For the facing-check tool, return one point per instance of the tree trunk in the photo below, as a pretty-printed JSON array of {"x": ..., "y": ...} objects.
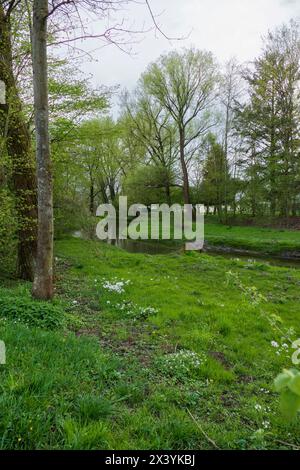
[
  {"x": 185, "y": 175},
  {"x": 220, "y": 213},
  {"x": 234, "y": 202},
  {"x": 43, "y": 281},
  {"x": 112, "y": 191},
  {"x": 168, "y": 192},
  {"x": 226, "y": 172},
  {"x": 104, "y": 193},
  {"x": 273, "y": 159},
  {"x": 18, "y": 145},
  {"x": 92, "y": 198}
]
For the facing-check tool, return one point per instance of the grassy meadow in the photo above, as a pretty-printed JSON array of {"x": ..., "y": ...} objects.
[
  {"x": 268, "y": 241},
  {"x": 141, "y": 352}
]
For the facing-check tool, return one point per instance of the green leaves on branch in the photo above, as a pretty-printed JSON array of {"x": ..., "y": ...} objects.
[{"x": 288, "y": 384}]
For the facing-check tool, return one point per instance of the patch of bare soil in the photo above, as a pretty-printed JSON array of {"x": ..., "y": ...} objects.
[{"x": 220, "y": 357}]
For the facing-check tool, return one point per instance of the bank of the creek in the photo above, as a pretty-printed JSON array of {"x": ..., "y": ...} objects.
[{"x": 151, "y": 247}]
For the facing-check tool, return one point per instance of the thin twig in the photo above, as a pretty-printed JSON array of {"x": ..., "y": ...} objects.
[
  {"x": 203, "y": 432},
  {"x": 159, "y": 29},
  {"x": 287, "y": 444}
]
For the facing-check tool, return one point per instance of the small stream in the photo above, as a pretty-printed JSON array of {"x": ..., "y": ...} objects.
[{"x": 158, "y": 247}]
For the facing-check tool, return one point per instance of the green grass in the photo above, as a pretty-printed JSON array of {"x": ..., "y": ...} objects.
[
  {"x": 265, "y": 240},
  {"x": 124, "y": 370}
]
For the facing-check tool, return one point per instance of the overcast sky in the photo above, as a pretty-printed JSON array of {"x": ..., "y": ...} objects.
[{"x": 226, "y": 27}]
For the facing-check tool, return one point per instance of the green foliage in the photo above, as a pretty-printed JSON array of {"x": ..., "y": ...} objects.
[
  {"x": 71, "y": 94},
  {"x": 216, "y": 184},
  {"x": 266, "y": 241},
  {"x": 147, "y": 185},
  {"x": 68, "y": 217},
  {"x": 94, "y": 408},
  {"x": 149, "y": 125},
  {"x": 174, "y": 81},
  {"x": 288, "y": 384},
  {"x": 87, "y": 172},
  {"x": 183, "y": 83},
  {"x": 268, "y": 125},
  {"x": 90, "y": 437},
  {"x": 8, "y": 226},
  {"x": 51, "y": 389},
  {"x": 30, "y": 312}
]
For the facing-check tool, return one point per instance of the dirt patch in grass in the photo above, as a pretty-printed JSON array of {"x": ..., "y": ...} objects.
[
  {"x": 220, "y": 357},
  {"x": 228, "y": 400},
  {"x": 246, "y": 379},
  {"x": 87, "y": 332}
]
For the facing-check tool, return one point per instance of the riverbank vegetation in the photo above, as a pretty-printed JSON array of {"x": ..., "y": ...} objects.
[{"x": 266, "y": 241}]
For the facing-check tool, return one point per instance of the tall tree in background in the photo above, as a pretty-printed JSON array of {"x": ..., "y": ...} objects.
[
  {"x": 284, "y": 44},
  {"x": 184, "y": 84},
  {"x": 216, "y": 180},
  {"x": 17, "y": 140},
  {"x": 98, "y": 153},
  {"x": 151, "y": 124},
  {"x": 270, "y": 121},
  {"x": 231, "y": 90}
]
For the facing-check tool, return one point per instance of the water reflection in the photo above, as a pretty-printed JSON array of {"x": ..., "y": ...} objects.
[{"x": 150, "y": 248}]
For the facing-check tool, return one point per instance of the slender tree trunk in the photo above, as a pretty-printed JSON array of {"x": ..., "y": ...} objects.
[
  {"x": 18, "y": 144},
  {"x": 92, "y": 198},
  {"x": 168, "y": 192},
  {"x": 185, "y": 175},
  {"x": 294, "y": 208},
  {"x": 112, "y": 191},
  {"x": 227, "y": 128},
  {"x": 273, "y": 159},
  {"x": 43, "y": 281},
  {"x": 234, "y": 207},
  {"x": 253, "y": 206},
  {"x": 103, "y": 192}
]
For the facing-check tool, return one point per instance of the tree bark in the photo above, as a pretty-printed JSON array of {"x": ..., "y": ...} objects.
[
  {"x": 185, "y": 175},
  {"x": 43, "y": 281},
  {"x": 273, "y": 158},
  {"x": 168, "y": 192},
  {"x": 92, "y": 198},
  {"x": 18, "y": 144}
]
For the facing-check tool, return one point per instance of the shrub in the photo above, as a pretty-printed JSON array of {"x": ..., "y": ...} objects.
[
  {"x": 31, "y": 312},
  {"x": 7, "y": 231}
]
